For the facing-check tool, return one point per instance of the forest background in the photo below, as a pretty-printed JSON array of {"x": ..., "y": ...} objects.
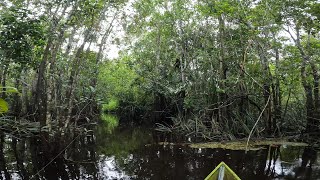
[{"x": 220, "y": 69}]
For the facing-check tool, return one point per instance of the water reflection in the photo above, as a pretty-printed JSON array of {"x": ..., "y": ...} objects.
[{"x": 124, "y": 154}]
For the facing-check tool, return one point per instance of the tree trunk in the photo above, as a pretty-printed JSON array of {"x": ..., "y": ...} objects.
[
  {"x": 312, "y": 93},
  {"x": 24, "y": 91},
  {"x": 276, "y": 94},
  {"x": 267, "y": 85},
  {"x": 223, "y": 115},
  {"x": 17, "y": 107},
  {"x": 4, "y": 80},
  {"x": 51, "y": 102},
  {"x": 72, "y": 82},
  {"x": 40, "y": 101}
]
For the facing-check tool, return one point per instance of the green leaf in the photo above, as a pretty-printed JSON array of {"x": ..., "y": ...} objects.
[
  {"x": 11, "y": 90},
  {"x": 111, "y": 105},
  {"x": 3, "y": 106}
]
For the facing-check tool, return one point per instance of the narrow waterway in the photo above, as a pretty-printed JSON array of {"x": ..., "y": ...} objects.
[{"x": 135, "y": 153}]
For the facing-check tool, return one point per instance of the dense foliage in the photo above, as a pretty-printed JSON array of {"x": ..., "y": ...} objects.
[{"x": 212, "y": 69}]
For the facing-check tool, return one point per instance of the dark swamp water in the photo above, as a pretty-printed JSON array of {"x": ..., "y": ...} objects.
[{"x": 133, "y": 153}]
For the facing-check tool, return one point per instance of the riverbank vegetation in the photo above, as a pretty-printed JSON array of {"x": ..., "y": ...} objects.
[{"x": 215, "y": 70}]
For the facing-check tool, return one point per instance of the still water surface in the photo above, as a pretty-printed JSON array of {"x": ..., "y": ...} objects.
[{"x": 134, "y": 153}]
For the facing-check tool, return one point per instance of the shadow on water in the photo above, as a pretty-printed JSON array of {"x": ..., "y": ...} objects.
[{"x": 131, "y": 153}]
